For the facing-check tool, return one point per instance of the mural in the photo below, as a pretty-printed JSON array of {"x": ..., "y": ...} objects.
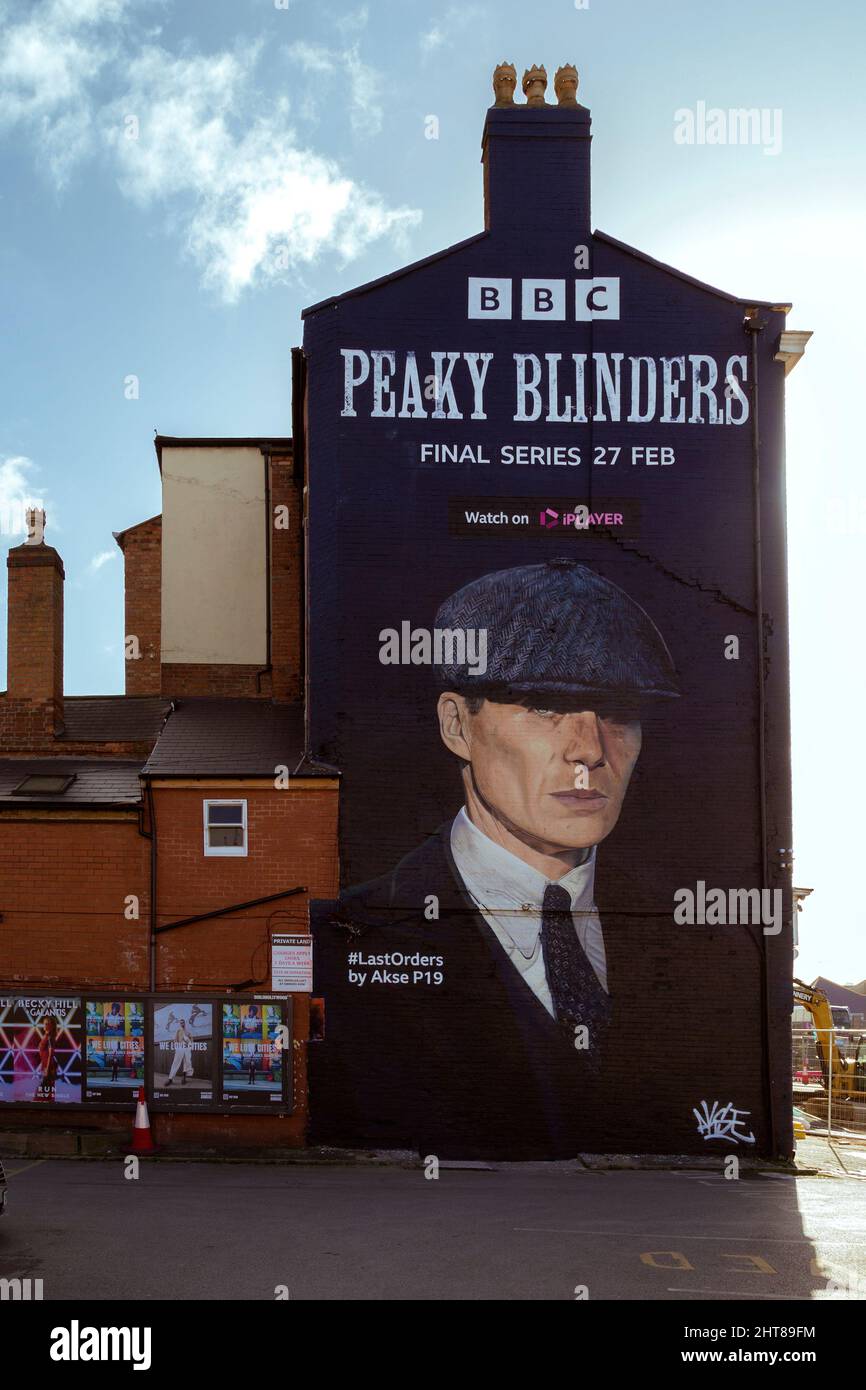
[{"x": 533, "y": 656}]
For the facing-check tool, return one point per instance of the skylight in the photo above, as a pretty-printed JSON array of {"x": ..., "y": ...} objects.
[{"x": 44, "y": 784}]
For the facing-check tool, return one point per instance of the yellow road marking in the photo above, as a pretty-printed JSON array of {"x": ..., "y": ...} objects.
[{"x": 13, "y": 1172}]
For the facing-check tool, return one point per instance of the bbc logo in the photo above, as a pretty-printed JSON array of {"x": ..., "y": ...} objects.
[{"x": 596, "y": 298}]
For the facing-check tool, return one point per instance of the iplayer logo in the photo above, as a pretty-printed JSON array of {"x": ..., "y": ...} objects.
[{"x": 581, "y": 518}]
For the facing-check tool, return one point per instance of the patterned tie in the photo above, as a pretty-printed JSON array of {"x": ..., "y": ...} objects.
[{"x": 578, "y": 998}]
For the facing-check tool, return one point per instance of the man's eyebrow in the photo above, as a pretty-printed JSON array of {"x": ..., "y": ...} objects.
[{"x": 604, "y": 707}]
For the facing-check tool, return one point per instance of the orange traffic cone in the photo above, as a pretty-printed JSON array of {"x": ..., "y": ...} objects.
[{"x": 142, "y": 1139}]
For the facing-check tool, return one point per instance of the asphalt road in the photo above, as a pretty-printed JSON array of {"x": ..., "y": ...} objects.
[{"x": 527, "y": 1232}]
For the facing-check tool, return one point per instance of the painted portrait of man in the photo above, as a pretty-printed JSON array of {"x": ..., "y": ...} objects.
[{"x": 495, "y": 1004}]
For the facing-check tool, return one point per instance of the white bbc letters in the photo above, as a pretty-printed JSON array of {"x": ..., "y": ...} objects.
[
  {"x": 489, "y": 299},
  {"x": 543, "y": 299},
  {"x": 594, "y": 298}
]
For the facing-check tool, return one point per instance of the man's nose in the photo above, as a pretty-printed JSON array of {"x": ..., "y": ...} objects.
[{"x": 583, "y": 742}]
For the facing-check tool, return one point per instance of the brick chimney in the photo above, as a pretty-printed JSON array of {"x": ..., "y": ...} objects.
[
  {"x": 35, "y": 645},
  {"x": 142, "y": 589},
  {"x": 536, "y": 156}
]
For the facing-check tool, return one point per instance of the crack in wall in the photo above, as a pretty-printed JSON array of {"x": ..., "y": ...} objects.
[{"x": 717, "y": 594}]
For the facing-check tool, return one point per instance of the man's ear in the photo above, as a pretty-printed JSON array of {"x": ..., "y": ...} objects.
[{"x": 454, "y": 724}]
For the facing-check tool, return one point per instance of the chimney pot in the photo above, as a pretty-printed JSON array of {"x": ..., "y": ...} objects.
[
  {"x": 565, "y": 84},
  {"x": 535, "y": 85},
  {"x": 504, "y": 83},
  {"x": 35, "y": 518},
  {"x": 536, "y": 158}
]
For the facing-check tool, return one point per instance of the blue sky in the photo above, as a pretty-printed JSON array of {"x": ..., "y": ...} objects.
[{"x": 184, "y": 256}]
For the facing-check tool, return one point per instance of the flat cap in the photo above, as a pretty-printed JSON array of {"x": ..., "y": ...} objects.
[{"x": 560, "y": 628}]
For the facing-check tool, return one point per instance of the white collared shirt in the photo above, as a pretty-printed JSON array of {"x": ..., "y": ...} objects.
[{"x": 509, "y": 896}]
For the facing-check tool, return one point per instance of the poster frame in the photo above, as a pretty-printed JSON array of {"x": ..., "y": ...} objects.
[{"x": 286, "y": 1105}]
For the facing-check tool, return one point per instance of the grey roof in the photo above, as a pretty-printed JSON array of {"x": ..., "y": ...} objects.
[
  {"x": 113, "y": 718},
  {"x": 841, "y": 994},
  {"x": 99, "y": 783},
  {"x": 208, "y": 737}
]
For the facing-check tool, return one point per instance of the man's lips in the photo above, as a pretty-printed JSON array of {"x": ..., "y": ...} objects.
[{"x": 587, "y": 798}]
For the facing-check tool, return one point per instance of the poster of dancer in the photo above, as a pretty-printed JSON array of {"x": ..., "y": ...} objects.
[{"x": 183, "y": 1053}]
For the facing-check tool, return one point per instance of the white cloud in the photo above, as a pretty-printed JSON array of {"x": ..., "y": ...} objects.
[
  {"x": 432, "y": 39},
  {"x": 255, "y": 203},
  {"x": 16, "y": 493},
  {"x": 249, "y": 201},
  {"x": 48, "y": 65},
  {"x": 446, "y": 29},
  {"x": 313, "y": 57},
  {"x": 103, "y": 558},
  {"x": 365, "y": 83},
  {"x": 354, "y": 21}
]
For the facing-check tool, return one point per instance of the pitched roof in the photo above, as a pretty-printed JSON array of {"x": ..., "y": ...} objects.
[
  {"x": 841, "y": 994},
  {"x": 394, "y": 274},
  {"x": 208, "y": 737},
  {"x": 372, "y": 285},
  {"x": 120, "y": 536},
  {"x": 689, "y": 279},
  {"x": 113, "y": 718},
  {"x": 97, "y": 782}
]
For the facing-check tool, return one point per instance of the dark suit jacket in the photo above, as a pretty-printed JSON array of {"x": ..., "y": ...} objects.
[{"x": 475, "y": 1067}]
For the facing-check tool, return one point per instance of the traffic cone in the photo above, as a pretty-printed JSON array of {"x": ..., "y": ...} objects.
[{"x": 142, "y": 1139}]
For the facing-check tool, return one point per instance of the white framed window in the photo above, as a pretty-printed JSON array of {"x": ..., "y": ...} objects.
[{"x": 225, "y": 827}]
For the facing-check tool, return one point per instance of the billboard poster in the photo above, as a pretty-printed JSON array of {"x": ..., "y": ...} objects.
[
  {"x": 113, "y": 1049},
  {"x": 548, "y": 654},
  {"x": 252, "y": 1053},
  {"x": 184, "y": 1054},
  {"x": 40, "y": 1050}
]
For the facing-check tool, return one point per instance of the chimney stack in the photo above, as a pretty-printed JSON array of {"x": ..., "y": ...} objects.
[
  {"x": 536, "y": 156},
  {"x": 35, "y": 638}
]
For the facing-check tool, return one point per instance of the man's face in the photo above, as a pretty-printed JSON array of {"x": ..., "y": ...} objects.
[{"x": 524, "y": 759}]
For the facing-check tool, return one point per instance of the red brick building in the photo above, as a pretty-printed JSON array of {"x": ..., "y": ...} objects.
[{"x": 189, "y": 797}]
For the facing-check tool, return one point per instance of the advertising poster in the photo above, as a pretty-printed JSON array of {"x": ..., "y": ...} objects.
[
  {"x": 184, "y": 1054},
  {"x": 548, "y": 654},
  {"x": 40, "y": 1050},
  {"x": 113, "y": 1049},
  {"x": 252, "y": 1053}
]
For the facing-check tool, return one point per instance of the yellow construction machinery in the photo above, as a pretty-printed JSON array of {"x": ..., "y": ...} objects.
[{"x": 844, "y": 1075}]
